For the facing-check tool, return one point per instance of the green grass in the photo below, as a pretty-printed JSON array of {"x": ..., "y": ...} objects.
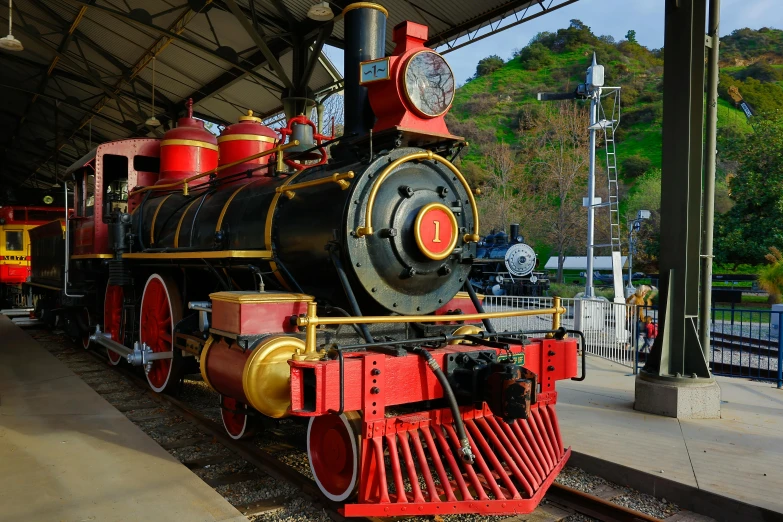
[
  {"x": 760, "y": 298},
  {"x": 745, "y": 313}
]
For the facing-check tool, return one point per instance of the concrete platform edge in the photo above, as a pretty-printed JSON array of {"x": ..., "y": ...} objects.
[{"x": 686, "y": 497}]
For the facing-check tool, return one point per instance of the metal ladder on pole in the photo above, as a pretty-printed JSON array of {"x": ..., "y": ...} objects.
[{"x": 608, "y": 125}]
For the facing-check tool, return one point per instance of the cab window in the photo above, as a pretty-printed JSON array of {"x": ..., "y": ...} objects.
[
  {"x": 89, "y": 200},
  {"x": 115, "y": 181},
  {"x": 13, "y": 240}
]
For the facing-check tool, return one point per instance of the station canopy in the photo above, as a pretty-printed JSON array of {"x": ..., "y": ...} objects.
[{"x": 85, "y": 75}]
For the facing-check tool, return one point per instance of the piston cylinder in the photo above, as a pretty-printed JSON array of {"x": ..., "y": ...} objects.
[
  {"x": 243, "y": 139},
  {"x": 187, "y": 150},
  {"x": 258, "y": 376}
]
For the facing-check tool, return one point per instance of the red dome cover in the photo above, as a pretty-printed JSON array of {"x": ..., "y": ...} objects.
[
  {"x": 187, "y": 150},
  {"x": 243, "y": 139}
]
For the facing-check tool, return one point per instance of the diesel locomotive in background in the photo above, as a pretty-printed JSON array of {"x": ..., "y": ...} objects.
[{"x": 333, "y": 286}]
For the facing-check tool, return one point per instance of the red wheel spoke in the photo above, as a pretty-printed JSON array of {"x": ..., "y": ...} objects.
[{"x": 157, "y": 319}]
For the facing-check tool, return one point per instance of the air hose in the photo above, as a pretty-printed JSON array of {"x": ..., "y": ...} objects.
[{"x": 466, "y": 453}]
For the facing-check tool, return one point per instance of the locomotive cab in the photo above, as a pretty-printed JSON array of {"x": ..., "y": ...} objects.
[{"x": 101, "y": 180}]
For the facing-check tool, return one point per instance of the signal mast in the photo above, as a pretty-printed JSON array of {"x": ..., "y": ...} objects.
[{"x": 594, "y": 90}]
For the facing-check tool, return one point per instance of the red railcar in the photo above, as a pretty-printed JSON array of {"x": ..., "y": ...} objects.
[{"x": 15, "y": 224}]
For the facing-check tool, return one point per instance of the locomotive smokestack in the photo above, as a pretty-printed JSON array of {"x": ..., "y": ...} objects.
[
  {"x": 365, "y": 39},
  {"x": 514, "y": 232}
]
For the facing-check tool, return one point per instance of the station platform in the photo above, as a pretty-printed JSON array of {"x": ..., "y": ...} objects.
[
  {"x": 737, "y": 456},
  {"x": 66, "y": 454}
]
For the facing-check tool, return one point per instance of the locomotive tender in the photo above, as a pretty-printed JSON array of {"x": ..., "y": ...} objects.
[{"x": 330, "y": 287}]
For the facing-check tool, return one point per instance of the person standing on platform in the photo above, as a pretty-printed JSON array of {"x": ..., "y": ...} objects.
[
  {"x": 651, "y": 331},
  {"x": 641, "y": 334}
]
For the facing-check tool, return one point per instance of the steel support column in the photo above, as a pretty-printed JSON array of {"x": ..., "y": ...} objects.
[
  {"x": 677, "y": 354},
  {"x": 710, "y": 152}
]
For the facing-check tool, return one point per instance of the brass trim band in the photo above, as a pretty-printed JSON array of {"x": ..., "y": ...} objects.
[
  {"x": 256, "y": 297},
  {"x": 93, "y": 256},
  {"x": 202, "y": 359},
  {"x": 184, "y": 182},
  {"x": 155, "y": 218},
  {"x": 225, "y": 206},
  {"x": 44, "y": 286},
  {"x": 268, "y": 227},
  {"x": 408, "y": 97},
  {"x": 367, "y": 229},
  {"x": 204, "y": 254},
  {"x": 190, "y": 143},
  {"x": 181, "y": 219},
  {"x": 289, "y": 190},
  {"x": 454, "y": 231},
  {"x": 366, "y": 5},
  {"x": 246, "y": 137}
]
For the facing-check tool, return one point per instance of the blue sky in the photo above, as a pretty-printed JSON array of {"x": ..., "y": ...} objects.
[{"x": 612, "y": 17}]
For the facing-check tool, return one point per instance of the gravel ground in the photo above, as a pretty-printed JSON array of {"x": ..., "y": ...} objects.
[
  {"x": 297, "y": 510},
  {"x": 255, "y": 490},
  {"x": 578, "y": 517},
  {"x": 577, "y": 478},
  {"x": 745, "y": 359},
  {"x": 760, "y": 330},
  {"x": 658, "y": 508}
]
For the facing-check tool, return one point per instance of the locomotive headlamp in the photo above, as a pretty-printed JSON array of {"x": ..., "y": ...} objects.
[
  {"x": 412, "y": 89},
  {"x": 429, "y": 84}
]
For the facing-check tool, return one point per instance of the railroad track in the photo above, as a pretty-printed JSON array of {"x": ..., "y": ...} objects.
[
  {"x": 193, "y": 429},
  {"x": 745, "y": 344}
]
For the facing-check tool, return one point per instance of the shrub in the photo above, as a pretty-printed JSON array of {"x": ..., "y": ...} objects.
[
  {"x": 489, "y": 65},
  {"x": 771, "y": 276},
  {"x": 648, "y": 114},
  {"x": 762, "y": 72},
  {"x": 535, "y": 56},
  {"x": 635, "y": 166}
]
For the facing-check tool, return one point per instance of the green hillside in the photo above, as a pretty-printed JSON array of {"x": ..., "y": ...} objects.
[{"x": 492, "y": 106}]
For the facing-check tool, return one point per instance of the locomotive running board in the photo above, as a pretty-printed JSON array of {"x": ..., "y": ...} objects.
[{"x": 516, "y": 464}]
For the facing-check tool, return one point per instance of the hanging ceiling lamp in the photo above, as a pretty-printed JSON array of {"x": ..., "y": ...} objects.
[
  {"x": 152, "y": 121},
  {"x": 9, "y": 43},
  {"x": 320, "y": 12}
]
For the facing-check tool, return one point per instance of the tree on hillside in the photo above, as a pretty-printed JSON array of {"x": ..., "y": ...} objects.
[
  {"x": 755, "y": 222},
  {"x": 489, "y": 65},
  {"x": 499, "y": 202},
  {"x": 646, "y": 196},
  {"x": 631, "y": 36},
  {"x": 559, "y": 158}
]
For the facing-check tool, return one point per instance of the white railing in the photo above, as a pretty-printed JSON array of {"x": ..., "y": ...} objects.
[{"x": 611, "y": 330}]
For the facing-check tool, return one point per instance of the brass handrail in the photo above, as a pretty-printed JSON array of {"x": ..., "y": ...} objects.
[
  {"x": 311, "y": 320},
  {"x": 185, "y": 181},
  {"x": 289, "y": 190},
  {"x": 367, "y": 229}
]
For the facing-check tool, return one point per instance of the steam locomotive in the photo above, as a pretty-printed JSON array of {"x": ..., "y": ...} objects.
[
  {"x": 327, "y": 285},
  {"x": 505, "y": 265}
]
